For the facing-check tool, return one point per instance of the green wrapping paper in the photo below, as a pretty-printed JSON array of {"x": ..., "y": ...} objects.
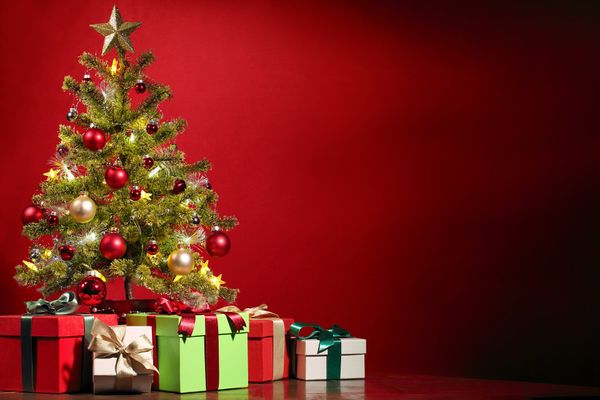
[{"x": 182, "y": 362}]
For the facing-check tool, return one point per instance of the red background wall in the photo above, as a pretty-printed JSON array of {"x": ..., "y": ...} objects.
[{"x": 422, "y": 174}]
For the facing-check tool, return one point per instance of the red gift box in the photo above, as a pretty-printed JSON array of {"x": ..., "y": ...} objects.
[
  {"x": 57, "y": 352},
  {"x": 261, "y": 350}
]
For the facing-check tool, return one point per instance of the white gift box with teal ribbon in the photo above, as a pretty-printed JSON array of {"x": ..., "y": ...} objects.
[{"x": 327, "y": 354}]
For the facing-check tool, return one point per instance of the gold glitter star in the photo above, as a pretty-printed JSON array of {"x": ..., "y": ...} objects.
[
  {"x": 116, "y": 32},
  {"x": 47, "y": 254},
  {"x": 146, "y": 196},
  {"x": 114, "y": 67},
  {"x": 30, "y": 265},
  {"x": 204, "y": 267},
  {"x": 52, "y": 174},
  {"x": 217, "y": 281}
]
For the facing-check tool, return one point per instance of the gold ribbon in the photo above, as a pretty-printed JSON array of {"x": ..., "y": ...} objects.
[
  {"x": 132, "y": 360},
  {"x": 261, "y": 312}
]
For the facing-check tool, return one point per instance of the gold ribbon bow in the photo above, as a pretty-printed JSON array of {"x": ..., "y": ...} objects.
[
  {"x": 261, "y": 312},
  {"x": 107, "y": 342},
  {"x": 253, "y": 312}
]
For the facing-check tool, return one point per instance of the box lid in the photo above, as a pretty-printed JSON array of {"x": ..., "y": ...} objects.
[
  {"x": 263, "y": 327},
  {"x": 51, "y": 325},
  {"x": 310, "y": 347},
  {"x": 167, "y": 325}
]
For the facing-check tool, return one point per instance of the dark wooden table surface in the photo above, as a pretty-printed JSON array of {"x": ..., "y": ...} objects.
[{"x": 374, "y": 387}]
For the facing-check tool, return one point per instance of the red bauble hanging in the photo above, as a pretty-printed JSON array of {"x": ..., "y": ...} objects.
[
  {"x": 135, "y": 193},
  {"x": 52, "y": 219},
  {"x": 217, "y": 244},
  {"x": 32, "y": 213},
  {"x": 179, "y": 186},
  {"x": 62, "y": 150},
  {"x": 113, "y": 246},
  {"x": 152, "y": 247},
  {"x": 152, "y": 127},
  {"x": 94, "y": 139},
  {"x": 91, "y": 290},
  {"x": 148, "y": 162},
  {"x": 66, "y": 252},
  {"x": 116, "y": 177},
  {"x": 140, "y": 86}
]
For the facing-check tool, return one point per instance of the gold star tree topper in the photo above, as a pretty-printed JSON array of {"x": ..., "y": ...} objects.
[{"x": 116, "y": 32}]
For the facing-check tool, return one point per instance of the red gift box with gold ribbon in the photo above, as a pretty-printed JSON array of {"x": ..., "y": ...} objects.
[{"x": 268, "y": 349}]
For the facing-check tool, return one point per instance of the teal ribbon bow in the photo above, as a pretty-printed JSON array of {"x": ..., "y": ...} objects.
[
  {"x": 328, "y": 340},
  {"x": 65, "y": 304}
]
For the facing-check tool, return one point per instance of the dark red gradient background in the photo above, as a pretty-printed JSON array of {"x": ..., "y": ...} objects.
[{"x": 424, "y": 174}]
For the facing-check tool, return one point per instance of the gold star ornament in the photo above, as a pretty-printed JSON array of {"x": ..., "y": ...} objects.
[
  {"x": 116, "y": 32},
  {"x": 52, "y": 174}
]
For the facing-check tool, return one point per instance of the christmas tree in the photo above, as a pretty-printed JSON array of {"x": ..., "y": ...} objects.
[{"x": 120, "y": 200}]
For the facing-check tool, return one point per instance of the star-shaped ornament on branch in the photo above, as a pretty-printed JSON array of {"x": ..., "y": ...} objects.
[{"x": 116, "y": 32}]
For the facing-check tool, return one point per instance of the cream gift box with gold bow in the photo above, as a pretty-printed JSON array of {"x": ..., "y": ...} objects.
[{"x": 122, "y": 358}]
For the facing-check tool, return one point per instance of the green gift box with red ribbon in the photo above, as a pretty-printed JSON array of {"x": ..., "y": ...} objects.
[{"x": 211, "y": 355}]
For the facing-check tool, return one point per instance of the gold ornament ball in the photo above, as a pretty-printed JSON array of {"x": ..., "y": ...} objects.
[
  {"x": 83, "y": 209},
  {"x": 181, "y": 261}
]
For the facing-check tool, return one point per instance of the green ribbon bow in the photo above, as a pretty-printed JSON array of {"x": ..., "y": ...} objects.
[
  {"x": 65, "y": 304},
  {"x": 328, "y": 340}
]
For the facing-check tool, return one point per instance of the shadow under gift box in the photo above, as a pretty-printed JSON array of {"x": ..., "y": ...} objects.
[
  {"x": 182, "y": 361},
  {"x": 57, "y": 352}
]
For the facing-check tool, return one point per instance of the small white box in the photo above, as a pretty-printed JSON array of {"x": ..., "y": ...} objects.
[
  {"x": 105, "y": 379},
  {"x": 311, "y": 365}
]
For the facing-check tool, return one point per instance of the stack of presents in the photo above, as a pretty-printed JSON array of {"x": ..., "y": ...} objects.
[{"x": 175, "y": 349}]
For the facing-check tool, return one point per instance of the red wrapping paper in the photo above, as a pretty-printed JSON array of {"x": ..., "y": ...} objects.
[{"x": 58, "y": 344}]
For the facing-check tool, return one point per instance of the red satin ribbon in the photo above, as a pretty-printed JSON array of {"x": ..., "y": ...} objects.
[
  {"x": 211, "y": 340},
  {"x": 151, "y": 319}
]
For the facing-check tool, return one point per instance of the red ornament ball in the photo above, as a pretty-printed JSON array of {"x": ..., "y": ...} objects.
[
  {"x": 152, "y": 128},
  {"x": 140, "y": 86},
  {"x": 62, "y": 150},
  {"x": 217, "y": 244},
  {"x": 116, "y": 177},
  {"x": 179, "y": 186},
  {"x": 52, "y": 219},
  {"x": 135, "y": 193},
  {"x": 91, "y": 290},
  {"x": 32, "y": 213},
  {"x": 152, "y": 247},
  {"x": 94, "y": 139},
  {"x": 66, "y": 252},
  {"x": 113, "y": 246},
  {"x": 148, "y": 162}
]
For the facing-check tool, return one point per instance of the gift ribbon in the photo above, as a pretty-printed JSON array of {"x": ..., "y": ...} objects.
[
  {"x": 107, "y": 342},
  {"x": 261, "y": 312},
  {"x": 328, "y": 340},
  {"x": 65, "y": 304},
  {"x": 151, "y": 321},
  {"x": 211, "y": 340}
]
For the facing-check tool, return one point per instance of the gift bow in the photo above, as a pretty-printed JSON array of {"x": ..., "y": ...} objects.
[
  {"x": 107, "y": 342},
  {"x": 326, "y": 337},
  {"x": 253, "y": 312},
  {"x": 188, "y": 314},
  {"x": 65, "y": 304}
]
